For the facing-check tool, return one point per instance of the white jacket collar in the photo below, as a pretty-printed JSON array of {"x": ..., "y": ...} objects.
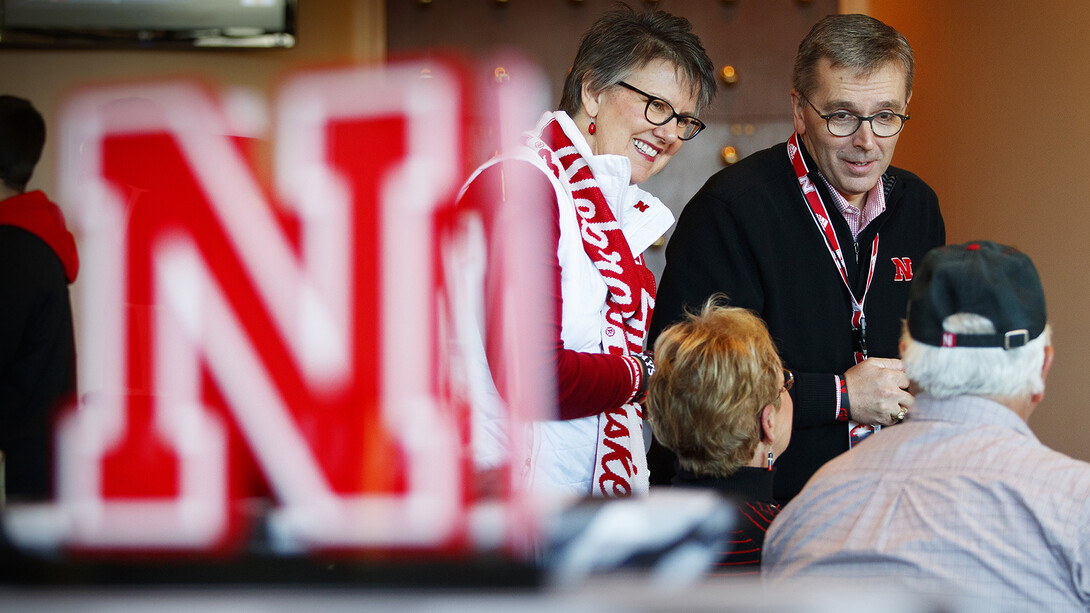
[{"x": 643, "y": 217}]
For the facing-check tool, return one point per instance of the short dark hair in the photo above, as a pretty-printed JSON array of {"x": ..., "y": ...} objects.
[
  {"x": 623, "y": 40},
  {"x": 22, "y": 137},
  {"x": 853, "y": 41}
]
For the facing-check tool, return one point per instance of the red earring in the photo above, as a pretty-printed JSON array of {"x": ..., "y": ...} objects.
[{"x": 592, "y": 129}]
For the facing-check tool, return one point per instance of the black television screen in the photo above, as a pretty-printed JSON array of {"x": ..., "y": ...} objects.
[{"x": 147, "y": 23}]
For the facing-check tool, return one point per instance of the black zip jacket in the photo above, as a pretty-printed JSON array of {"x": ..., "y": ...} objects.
[{"x": 749, "y": 234}]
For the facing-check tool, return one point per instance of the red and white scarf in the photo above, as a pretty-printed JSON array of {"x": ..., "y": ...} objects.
[{"x": 620, "y": 465}]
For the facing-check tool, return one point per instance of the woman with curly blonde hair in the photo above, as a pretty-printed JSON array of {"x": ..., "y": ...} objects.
[{"x": 719, "y": 401}]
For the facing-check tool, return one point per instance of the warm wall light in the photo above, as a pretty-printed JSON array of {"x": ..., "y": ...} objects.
[
  {"x": 729, "y": 75},
  {"x": 729, "y": 155},
  {"x": 738, "y": 129}
]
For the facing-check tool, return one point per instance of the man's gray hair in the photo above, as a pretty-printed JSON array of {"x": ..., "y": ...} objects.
[
  {"x": 856, "y": 42},
  {"x": 994, "y": 372}
]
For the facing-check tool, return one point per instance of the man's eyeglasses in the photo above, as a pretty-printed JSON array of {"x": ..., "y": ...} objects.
[
  {"x": 659, "y": 112},
  {"x": 842, "y": 123}
]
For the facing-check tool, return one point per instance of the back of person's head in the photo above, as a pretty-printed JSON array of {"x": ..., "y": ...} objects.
[
  {"x": 856, "y": 42},
  {"x": 623, "y": 40},
  {"x": 714, "y": 373},
  {"x": 977, "y": 323},
  {"x": 22, "y": 137}
]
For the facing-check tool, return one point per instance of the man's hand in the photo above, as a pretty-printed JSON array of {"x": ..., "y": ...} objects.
[{"x": 877, "y": 391}]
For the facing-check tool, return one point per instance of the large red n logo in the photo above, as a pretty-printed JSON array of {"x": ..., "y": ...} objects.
[{"x": 299, "y": 325}]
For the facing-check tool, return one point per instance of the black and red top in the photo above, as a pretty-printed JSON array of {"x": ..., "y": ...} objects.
[{"x": 751, "y": 489}]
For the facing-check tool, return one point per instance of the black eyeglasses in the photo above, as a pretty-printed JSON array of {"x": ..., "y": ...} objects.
[
  {"x": 659, "y": 112},
  {"x": 842, "y": 123}
]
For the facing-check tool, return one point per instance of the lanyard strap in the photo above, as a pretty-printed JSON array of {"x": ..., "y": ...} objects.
[{"x": 825, "y": 225}]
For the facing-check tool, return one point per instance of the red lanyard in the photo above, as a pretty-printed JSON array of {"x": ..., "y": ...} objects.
[{"x": 825, "y": 225}]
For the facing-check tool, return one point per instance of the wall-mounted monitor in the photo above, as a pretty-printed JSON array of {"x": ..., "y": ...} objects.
[{"x": 147, "y": 23}]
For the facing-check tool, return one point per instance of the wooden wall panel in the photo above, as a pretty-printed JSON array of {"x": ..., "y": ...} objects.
[{"x": 758, "y": 37}]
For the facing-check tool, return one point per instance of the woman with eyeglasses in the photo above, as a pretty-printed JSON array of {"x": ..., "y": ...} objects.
[
  {"x": 719, "y": 400},
  {"x": 631, "y": 99}
]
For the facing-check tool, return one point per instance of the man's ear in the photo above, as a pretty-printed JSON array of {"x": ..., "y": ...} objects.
[
  {"x": 798, "y": 109},
  {"x": 1049, "y": 354}
]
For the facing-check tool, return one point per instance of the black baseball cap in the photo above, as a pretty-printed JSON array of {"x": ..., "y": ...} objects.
[{"x": 994, "y": 281}]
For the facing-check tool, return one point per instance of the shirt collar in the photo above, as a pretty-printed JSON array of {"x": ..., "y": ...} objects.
[
  {"x": 643, "y": 217},
  {"x": 750, "y": 482},
  {"x": 968, "y": 409},
  {"x": 873, "y": 206}
]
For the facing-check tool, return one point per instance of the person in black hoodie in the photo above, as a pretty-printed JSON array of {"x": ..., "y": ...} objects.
[
  {"x": 38, "y": 260},
  {"x": 719, "y": 400},
  {"x": 818, "y": 236}
]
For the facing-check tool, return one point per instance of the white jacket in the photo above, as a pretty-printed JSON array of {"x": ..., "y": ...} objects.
[{"x": 559, "y": 455}]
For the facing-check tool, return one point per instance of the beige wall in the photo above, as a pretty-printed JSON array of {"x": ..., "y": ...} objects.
[{"x": 999, "y": 129}]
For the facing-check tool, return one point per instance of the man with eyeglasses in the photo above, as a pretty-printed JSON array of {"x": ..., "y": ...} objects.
[{"x": 818, "y": 236}]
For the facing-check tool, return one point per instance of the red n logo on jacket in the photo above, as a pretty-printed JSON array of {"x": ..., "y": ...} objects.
[{"x": 902, "y": 269}]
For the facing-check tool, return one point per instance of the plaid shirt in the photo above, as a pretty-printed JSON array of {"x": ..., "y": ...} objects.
[
  {"x": 961, "y": 500},
  {"x": 858, "y": 219}
]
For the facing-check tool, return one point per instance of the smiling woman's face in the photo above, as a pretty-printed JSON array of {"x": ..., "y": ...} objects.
[{"x": 621, "y": 127}]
